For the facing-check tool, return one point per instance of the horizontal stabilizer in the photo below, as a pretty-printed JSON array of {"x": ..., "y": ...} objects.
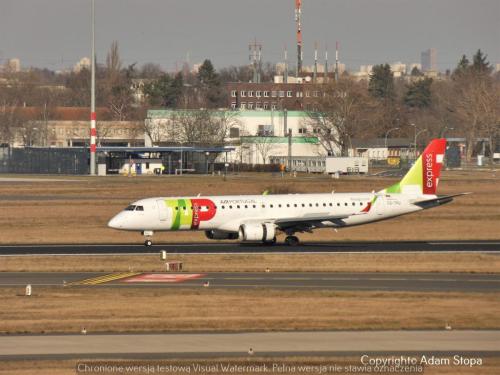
[{"x": 438, "y": 201}]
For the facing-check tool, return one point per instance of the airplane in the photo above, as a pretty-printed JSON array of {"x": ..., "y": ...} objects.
[{"x": 258, "y": 218}]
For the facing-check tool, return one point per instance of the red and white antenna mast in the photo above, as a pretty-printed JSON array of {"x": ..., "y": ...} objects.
[{"x": 298, "y": 21}]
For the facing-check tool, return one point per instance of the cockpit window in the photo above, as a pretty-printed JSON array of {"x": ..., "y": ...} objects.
[
  {"x": 130, "y": 208},
  {"x": 139, "y": 208}
]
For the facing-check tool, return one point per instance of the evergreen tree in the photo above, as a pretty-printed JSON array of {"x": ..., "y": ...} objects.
[
  {"x": 381, "y": 83},
  {"x": 416, "y": 72},
  {"x": 462, "y": 67},
  {"x": 207, "y": 76},
  {"x": 479, "y": 63},
  {"x": 418, "y": 94},
  {"x": 210, "y": 85},
  {"x": 165, "y": 91}
]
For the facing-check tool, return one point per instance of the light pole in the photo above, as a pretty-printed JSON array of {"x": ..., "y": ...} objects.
[
  {"x": 207, "y": 154},
  {"x": 414, "y": 141},
  {"x": 180, "y": 161},
  {"x": 386, "y": 135},
  {"x": 416, "y": 136}
]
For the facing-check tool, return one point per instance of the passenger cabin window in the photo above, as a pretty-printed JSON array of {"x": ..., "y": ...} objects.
[{"x": 130, "y": 208}]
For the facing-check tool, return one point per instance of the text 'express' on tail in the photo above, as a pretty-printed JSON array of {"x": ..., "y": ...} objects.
[{"x": 423, "y": 176}]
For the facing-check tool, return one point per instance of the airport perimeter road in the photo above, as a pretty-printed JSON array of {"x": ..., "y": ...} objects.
[
  {"x": 214, "y": 248},
  {"x": 221, "y": 344},
  {"x": 427, "y": 282}
]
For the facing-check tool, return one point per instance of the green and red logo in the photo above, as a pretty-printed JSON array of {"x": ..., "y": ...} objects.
[{"x": 189, "y": 213}]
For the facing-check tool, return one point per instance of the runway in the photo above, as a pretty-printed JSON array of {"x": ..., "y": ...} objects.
[
  {"x": 339, "y": 281},
  {"x": 221, "y": 247},
  {"x": 238, "y": 344}
]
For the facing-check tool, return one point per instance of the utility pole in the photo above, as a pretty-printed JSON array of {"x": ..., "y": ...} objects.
[
  {"x": 285, "y": 75},
  {"x": 315, "y": 73},
  {"x": 326, "y": 65},
  {"x": 255, "y": 57},
  {"x": 290, "y": 150},
  {"x": 336, "y": 61},
  {"x": 93, "y": 131},
  {"x": 298, "y": 21},
  {"x": 285, "y": 121}
]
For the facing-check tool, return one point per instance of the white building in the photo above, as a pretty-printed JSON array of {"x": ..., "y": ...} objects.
[
  {"x": 257, "y": 136},
  {"x": 84, "y": 63},
  {"x": 13, "y": 65},
  {"x": 398, "y": 69}
]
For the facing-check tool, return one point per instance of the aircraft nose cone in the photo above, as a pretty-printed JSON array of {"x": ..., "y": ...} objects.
[{"x": 116, "y": 222}]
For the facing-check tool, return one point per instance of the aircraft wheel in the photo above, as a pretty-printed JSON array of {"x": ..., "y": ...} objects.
[
  {"x": 292, "y": 240},
  {"x": 148, "y": 243},
  {"x": 271, "y": 242}
]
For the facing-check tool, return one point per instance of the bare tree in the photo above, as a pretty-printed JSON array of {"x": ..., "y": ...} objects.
[
  {"x": 159, "y": 131},
  {"x": 113, "y": 62},
  {"x": 339, "y": 113},
  {"x": 264, "y": 146},
  {"x": 10, "y": 120},
  {"x": 476, "y": 104},
  {"x": 204, "y": 126}
]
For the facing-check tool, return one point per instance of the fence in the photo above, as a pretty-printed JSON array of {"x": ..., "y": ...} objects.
[{"x": 44, "y": 160}]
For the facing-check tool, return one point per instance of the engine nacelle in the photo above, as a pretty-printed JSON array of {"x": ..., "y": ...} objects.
[
  {"x": 220, "y": 235},
  {"x": 257, "y": 232}
]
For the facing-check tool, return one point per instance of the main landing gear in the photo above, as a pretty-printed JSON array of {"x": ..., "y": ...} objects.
[
  {"x": 270, "y": 242},
  {"x": 292, "y": 240}
]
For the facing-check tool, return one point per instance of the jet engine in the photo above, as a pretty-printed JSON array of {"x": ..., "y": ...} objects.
[
  {"x": 257, "y": 232},
  {"x": 220, "y": 235}
]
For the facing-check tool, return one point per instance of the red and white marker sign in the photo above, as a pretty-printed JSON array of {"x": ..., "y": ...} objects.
[{"x": 162, "y": 278}]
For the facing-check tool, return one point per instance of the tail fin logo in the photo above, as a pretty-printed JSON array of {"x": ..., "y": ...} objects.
[
  {"x": 431, "y": 169},
  {"x": 423, "y": 177},
  {"x": 429, "y": 174}
]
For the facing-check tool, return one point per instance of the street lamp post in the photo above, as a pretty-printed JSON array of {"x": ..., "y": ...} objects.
[
  {"x": 207, "y": 154},
  {"x": 414, "y": 141},
  {"x": 386, "y": 135},
  {"x": 416, "y": 136},
  {"x": 180, "y": 161}
]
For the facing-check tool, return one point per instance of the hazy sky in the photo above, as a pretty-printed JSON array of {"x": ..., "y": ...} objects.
[{"x": 56, "y": 33}]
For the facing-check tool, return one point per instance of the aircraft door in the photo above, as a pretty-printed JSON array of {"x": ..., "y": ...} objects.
[
  {"x": 380, "y": 205},
  {"x": 163, "y": 210}
]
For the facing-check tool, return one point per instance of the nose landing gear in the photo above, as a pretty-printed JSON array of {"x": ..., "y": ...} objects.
[{"x": 148, "y": 233}]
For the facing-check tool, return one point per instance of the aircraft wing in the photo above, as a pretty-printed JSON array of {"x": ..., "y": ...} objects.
[
  {"x": 309, "y": 221},
  {"x": 438, "y": 201}
]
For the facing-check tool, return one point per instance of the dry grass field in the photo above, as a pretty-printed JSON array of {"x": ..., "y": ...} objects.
[
  {"x": 77, "y": 209},
  {"x": 339, "y": 262},
  {"x": 490, "y": 366},
  {"x": 136, "y": 309}
]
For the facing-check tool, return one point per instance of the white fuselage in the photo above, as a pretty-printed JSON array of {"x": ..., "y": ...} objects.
[{"x": 228, "y": 213}]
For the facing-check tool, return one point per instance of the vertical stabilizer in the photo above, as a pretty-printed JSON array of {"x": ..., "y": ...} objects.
[{"x": 423, "y": 177}]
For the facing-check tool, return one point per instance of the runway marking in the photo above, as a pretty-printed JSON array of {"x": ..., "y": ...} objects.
[
  {"x": 104, "y": 278},
  {"x": 161, "y": 278},
  {"x": 333, "y": 252}
]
